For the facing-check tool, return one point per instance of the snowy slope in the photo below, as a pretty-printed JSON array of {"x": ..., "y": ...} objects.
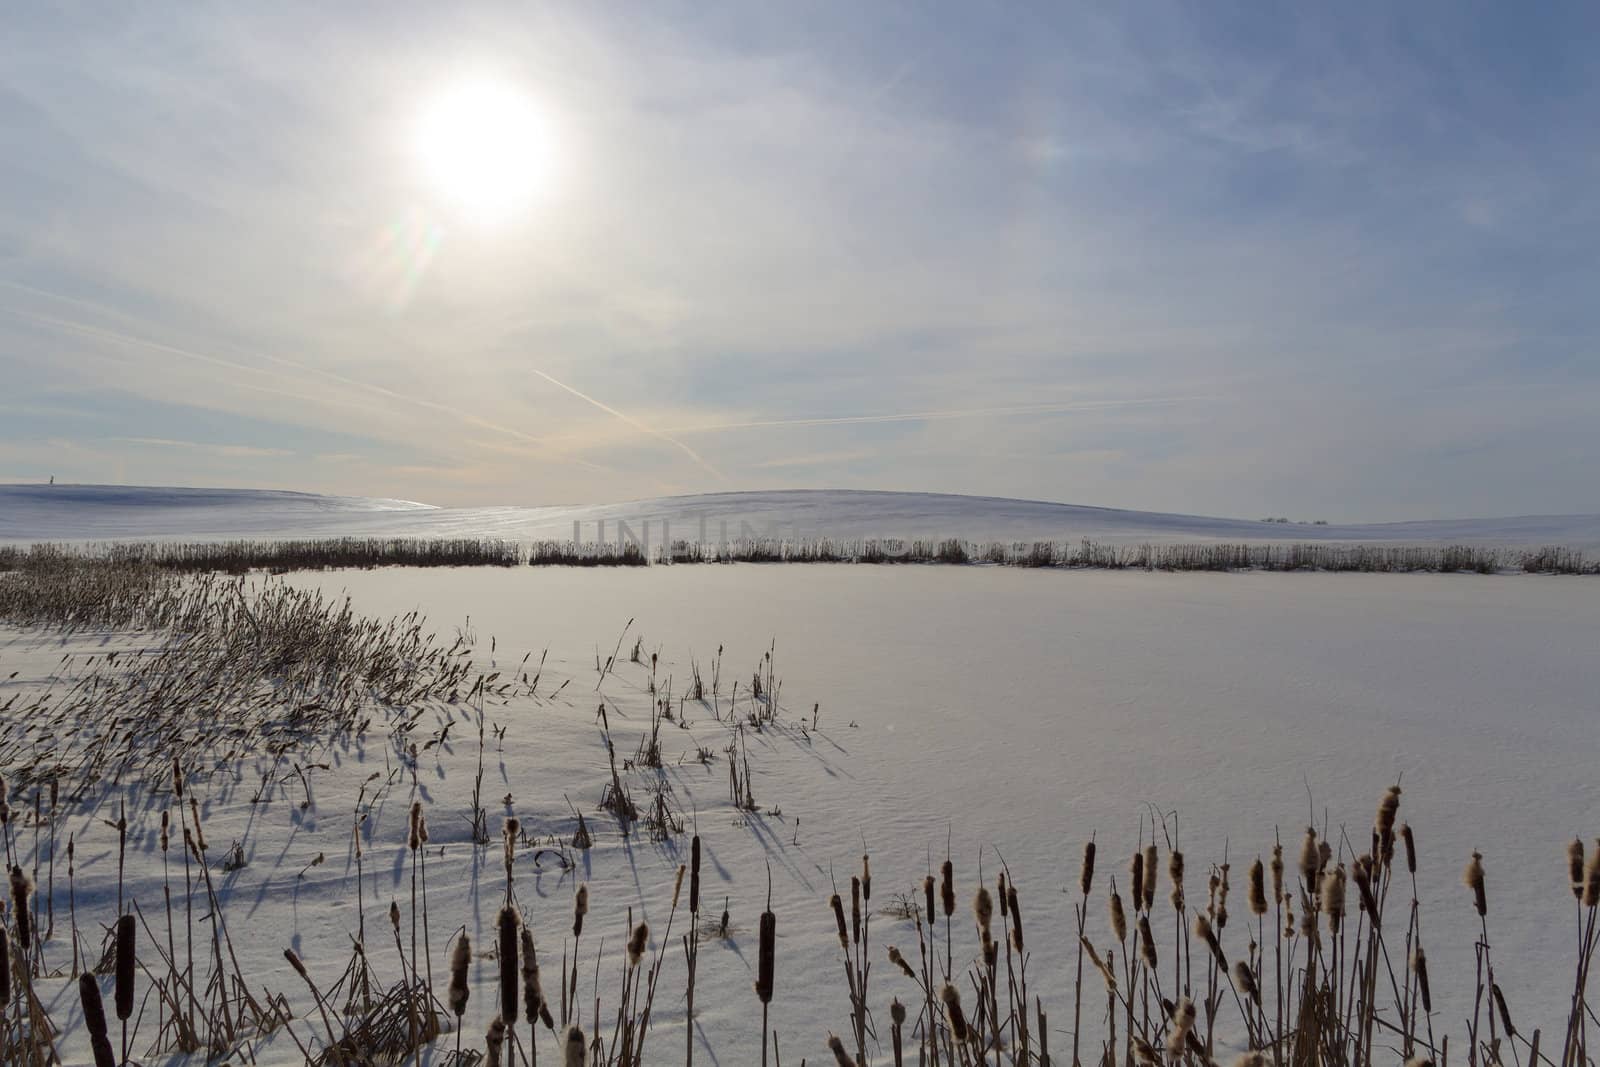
[{"x": 97, "y": 513}]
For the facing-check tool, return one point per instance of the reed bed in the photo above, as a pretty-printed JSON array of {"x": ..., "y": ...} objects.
[{"x": 240, "y": 557}]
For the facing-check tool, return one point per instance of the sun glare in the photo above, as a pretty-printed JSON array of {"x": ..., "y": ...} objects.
[{"x": 486, "y": 149}]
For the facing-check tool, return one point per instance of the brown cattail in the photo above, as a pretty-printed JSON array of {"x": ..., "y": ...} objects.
[
  {"x": 1175, "y": 873},
  {"x": 1499, "y": 999},
  {"x": 1099, "y": 964},
  {"x": 1310, "y": 858},
  {"x": 1245, "y": 979},
  {"x": 1000, "y": 892},
  {"x": 533, "y": 1003},
  {"x": 125, "y": 964},
  {"x": 1591, "y": 879},
  {"x": 1411, "y": 847},
  {"x": 1363, "y": 872},
  {"x": 840, "y": 1056},
  {"x": 1143, "y": 1052},
  {"x": 1258, "y": 888},
  {"x": 1575, "y": 866},
  {"x": 1277, "y": 872},
  {"x": 94, "y": 1020},
  {"x": 1203, "y": 930},
  {"x": 951, "y": 996},
  {"x": 694, "y": 875},
  {"x": 1419, "y": 1060},
  {"x": 899, "y": 960},
  {"x": 572, "y": 1047},
  {"x": 637, "y": 943},
  {"x": 947, "y": 888},
  {"x": 1419, "y": 967},
  {"x": 1137, "y": 871},
  {"x": 766, "y": 963},
  {"x": 166, "y": 821},
  {"x": 580, "y": 908},
  {"x": 414, "y": 830},
  {"x": 1183, "y": 1014},
  {"x": 1150, "y": 861},
  {"x": 983, "y": 910},
  {"x": 460, "y": 960},
  {"x": 1388, "y": 807},
  {"x": 837, "y": 905},
  {"x": 1473, "y": 877},
  {"x": 1016, "y": 916},
  {"x": 927, "y": 894},
  {"x": 1086, "y": 873},
  {"x": 508, "y": 922},
  {"x": 1147, "y": 944},
  {"x": 5, "y": 970},
  {"x": 855, "y": 910},
  {"x": 1333, "y": 892},
  {"x": 394, "y": 915},
  {"x": 496, "y": 1041},
  {"x": 1251, "y": 1059},
  {"x": 21, "y": 888},
  {"x": 177, "y": 778},
  {"x": 866, "y": 878},
  {"x": 1119, "y": 920},
  {"x": 513, "y": 826}
]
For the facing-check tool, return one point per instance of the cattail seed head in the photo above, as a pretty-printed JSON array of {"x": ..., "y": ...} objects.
[
  {"x": 1310, "y": 858},
  {"x": 1150, "y": 861},
  {"x": 837, "y": 905},
  {"x": 1277, "y": 872},
  {"x": 947, "y": 888},
  {"x": 1204, "y": 931},
  {"x": 5, "y": 970},
  {"x": 841, "y": 1058},
  {"x": 694, "y": 875},
  {"x": 177, "y": 778},
  {"x": 766, "y": 964},
  {"x": 897, "y": 958},
  {"x": 1419, "y": 967},
  {"x": 460, "y": 960},
  {"x": 1245, "y": 979},
  {"x": 1388, "y": 807},
  {"x": 927, "y": 893},
  {"x": 1251, "y": 1059},
  {"x": 1333, "y": 892},
  {"x": 866, "y": 877},
  {"x": 1591, "y": 879},
  {"x": 637, "y": 943},
  {"x": 950, "y": 996},
  {"x": 573, "y": 1047},
  {"x": 1000, "y": 893},
  {"x": 166, "y": 822},
  {"x": 1086, "y": 874},
  {"x": 983, "y": 909},
  {"x": 1143, "y": 1051},
  {"x": 496, "y": 1041},
  {"x": 897, "y": 1012},
  {"x": 1183, "y": 1015},
  {"x": 1473, "y": 878},
  {"x": 94, "y": 1020},
  {"x": 414, "y": 830},
  {"x": 1147, "y": 943},
  {"x": 1016, "y": 916},
  {"x": 1137, "y": 871},
  {"x": 580, "y": 908},
  {"x": 1258, "y": 888},
  {"x": 1575, "y": 866},
  {"x": 125, "y": 966},
  {"x": 22, "y": 916},
  {"x": 855, "y": 910},
  {"x": 508, "y": 922},
  {"x": 1119, "y": 920},
  {"x": 1410, "y": 842}
]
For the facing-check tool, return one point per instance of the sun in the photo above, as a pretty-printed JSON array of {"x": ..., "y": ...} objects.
[{"x": 487, "y": 150}]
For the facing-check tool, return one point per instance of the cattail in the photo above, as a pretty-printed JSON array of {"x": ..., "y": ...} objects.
[
  {"x": 1575, "y": 866},
  {"x": 414, "y": 831},
  {"x": 866, "y": 878},
  {"x": 572, "y": 1047},
  {"x": 1277, "y": 872},
  {"x": 1245, "y": 979},
  {"x": 1363, "y": 871},
  {"x": 1310, "y": 858},
  {"x": 177, "y": 778},
  {"x": 1222, "y": 897},
  {"x": 1333, "y": 890},
  {"x": 496, "y": 1039},
  {"x": 951, "y": 996},
  {"x": 21, "y": 888},
  {"x": 5, "y": 970},
  {"x": 513, "y": 826},
  {"x": 1388, "y": 807},
  {"x": 1119, "y": 920},
  {"x": 838, "y": 917},
  {"x": 1411, "y": 847},
  {"x": 899, "y": 960},
  {"x": 460, "y": 960},
  {"x": 927, "y": 893},
  {"x": 1258, "y": 889},
  {"x": 533, "y": 1003},
  {"x": 1499, "y": 999},
  {"x": 983, "y": 910},
  {"x": 897, "y": 1012},
  {"x": 1419, "y": 966},
  {"x": 1150, "y": 861},
  {"x": 580, "y": 908},
  {"x": 1204, "y": 931},
  {"x": 1419, "y": 1060},
  {"x": 637, "y": 943},
  {"x": 1175, "y": 873},
  {"x": 694, "y": 875},
  {"x": 1000, "y": 892},
  {"x": 166, "y": 819},
  {"x": 1099, "y": 964},
  {"x": 1473, "y": 877},
  {"x": 1251, "y": 1059},
  {"x": 1591, "y": 879},
  {"x": 125, "y": 963},
  {"x": 947, "y": 888},
  {"x": 855, "y": 910},
  {"x": 508, "y": 923},
  {"x": 1143, "y": 1051},
  {"x": 1147, "y": 944},
  {"x": 1137, "y": 871},
  {"x": 1183, "y": 1014},
  {"x": 766, "y": 963},
  {"x": 1086, "y": 874},
  {"x": 1016, "y": 916},
  {"x": 394, "y": 915},
  {"x": 94, "y": 1020},
  {"x": 840, "y": 1056}
]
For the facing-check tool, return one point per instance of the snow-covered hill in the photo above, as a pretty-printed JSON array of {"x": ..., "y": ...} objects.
[{"x": 99, "y": 513}]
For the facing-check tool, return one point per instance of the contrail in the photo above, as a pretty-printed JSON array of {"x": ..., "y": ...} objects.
[
  {"x": 635, "y": 423},
  {"x": 928, "y": 416}
]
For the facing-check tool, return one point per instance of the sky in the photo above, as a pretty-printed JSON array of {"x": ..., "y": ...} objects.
[{"x": 1324, "y": 261}]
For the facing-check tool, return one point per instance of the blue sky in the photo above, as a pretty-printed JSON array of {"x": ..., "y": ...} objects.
[{"x": 1333, "y": 262}]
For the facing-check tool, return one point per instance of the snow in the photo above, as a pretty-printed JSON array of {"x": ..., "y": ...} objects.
[
  {"x": 99, "y": 513},
  {"x": 1011, "y": 713}
]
